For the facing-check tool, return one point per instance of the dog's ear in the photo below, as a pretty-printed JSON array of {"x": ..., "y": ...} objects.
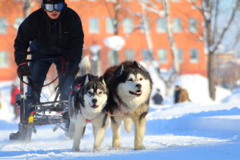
[
  {"x": 119, "y": 72},
  {"x": 137, "y": 64},
  {"x": 86, "y": 80},
  {"x": 102, "y": 80}
]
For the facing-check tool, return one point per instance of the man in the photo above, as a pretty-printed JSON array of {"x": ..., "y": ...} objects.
[
  {"x": 14, "y": 92},
  {"x": 180, "y": 95},
  {"x": 54, "y": 25},
  {"x": 176, "y": 93},
  {"x": 157, "y": 98}
]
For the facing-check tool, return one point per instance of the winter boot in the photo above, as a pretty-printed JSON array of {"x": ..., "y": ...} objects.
[
  {"x": 21, "y": 133},
  {"x": 65, "y": 116}
]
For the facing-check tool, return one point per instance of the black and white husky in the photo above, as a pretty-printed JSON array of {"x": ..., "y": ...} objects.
[
  {"x": 86, "y": 105},
  {"x": 130, "y": 86}
]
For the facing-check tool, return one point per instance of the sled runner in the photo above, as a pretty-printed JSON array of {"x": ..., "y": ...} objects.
[{"x": 42, "y": 113}]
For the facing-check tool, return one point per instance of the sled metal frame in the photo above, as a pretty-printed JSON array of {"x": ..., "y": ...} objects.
[{"x": 38, "y": 117}]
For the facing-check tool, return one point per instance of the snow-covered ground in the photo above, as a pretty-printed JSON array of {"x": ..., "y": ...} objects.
[{"x": 197, "y": 130}]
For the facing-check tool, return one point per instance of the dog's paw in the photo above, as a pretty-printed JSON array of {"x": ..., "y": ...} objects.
[
  {"x": 75, "y": 149},
  {"x": 139, "y": 147},
  {"x": 116, "y": 147},
  {"x": 69, "y": 135},
  {"x": 96, "y": 149}
]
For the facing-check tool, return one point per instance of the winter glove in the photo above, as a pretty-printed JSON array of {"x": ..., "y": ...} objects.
[
  {"x": 23, "y": 69},
  {"x": 71, "y": 69}
]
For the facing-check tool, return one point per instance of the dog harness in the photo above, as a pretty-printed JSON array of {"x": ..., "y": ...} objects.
[
  {"x": 76, "y": 88},
  {"x": 89, "y": 120},
  {"x": 119, "y": 110}
]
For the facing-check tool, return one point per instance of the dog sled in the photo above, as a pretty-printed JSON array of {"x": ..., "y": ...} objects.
[{"x": 44, "y": 113}]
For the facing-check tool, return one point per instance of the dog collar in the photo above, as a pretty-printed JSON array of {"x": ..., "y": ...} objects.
[
  {"x": 119, "y": 109},
  {"x": 89, "y": 120},
  {"x": 119, "y": 106}
]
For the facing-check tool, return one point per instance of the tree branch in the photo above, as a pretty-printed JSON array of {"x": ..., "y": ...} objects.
[
  {"x": 226, "y": 28},
  {"x": 215, "y": 18}
]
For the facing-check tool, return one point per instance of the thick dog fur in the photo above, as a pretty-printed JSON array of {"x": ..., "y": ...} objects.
[
  {"x": 86, "y": 104},
  {"x": 130, "y": 86}
]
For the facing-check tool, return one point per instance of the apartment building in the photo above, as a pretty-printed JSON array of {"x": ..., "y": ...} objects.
[{"x": 98, "y": 19}]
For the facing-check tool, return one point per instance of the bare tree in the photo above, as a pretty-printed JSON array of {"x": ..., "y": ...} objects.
[
  {"x": 214, "y": 32},
  {"x": 165, "y": 12},
  {"x": 118, "y": 10}
]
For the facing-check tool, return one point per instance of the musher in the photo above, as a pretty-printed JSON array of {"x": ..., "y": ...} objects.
[{"x": 53, "y": 25}]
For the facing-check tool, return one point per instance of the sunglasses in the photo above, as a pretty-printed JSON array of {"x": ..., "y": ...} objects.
[{"x": 51, "y": 7}]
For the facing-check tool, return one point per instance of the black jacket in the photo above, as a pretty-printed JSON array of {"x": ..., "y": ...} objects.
[
  {"x": 66, "y": 34},
  {"x": 176, "y": 96},
  {"x": 157, "y": 98}
]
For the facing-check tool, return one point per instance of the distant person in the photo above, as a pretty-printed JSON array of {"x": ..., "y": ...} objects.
[
  {"x": 157, "y": 98},
  {"x": 176, "y": 94},
  {"x": 180, "y": 95},
  {"x": 14, "y": 91}
]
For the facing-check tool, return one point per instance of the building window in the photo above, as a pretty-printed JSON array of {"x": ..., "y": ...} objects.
[
  {"x": 93, "y": 25},
  {"x": 191, "y": 0},
  {"x": 161, "y": 25},
  {"x": 175, "y": 0},
  {"x": 109, "y": 24},
  {"x": 162, "y": 55},
  {"x": 3, "y": 25},
  {"x": 110, "y": 57},
  {"x": 4, "y": 59},
  {"x": 192, "y": 22},
  {"x": 180, "y": 55},
  {"x": 177, "y": 25},
  {"x": 129, "y": 54},
  {"x": 18, "y": 21},
  {"x": 194, "y": 55},
  {"x": 145, "y": 23},
  {"x": 127, "y": 25},
  {"x": 146, "y": 55}
]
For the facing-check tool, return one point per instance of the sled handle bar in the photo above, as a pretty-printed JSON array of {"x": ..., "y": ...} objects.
[{"x": 44, "y": 103}]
